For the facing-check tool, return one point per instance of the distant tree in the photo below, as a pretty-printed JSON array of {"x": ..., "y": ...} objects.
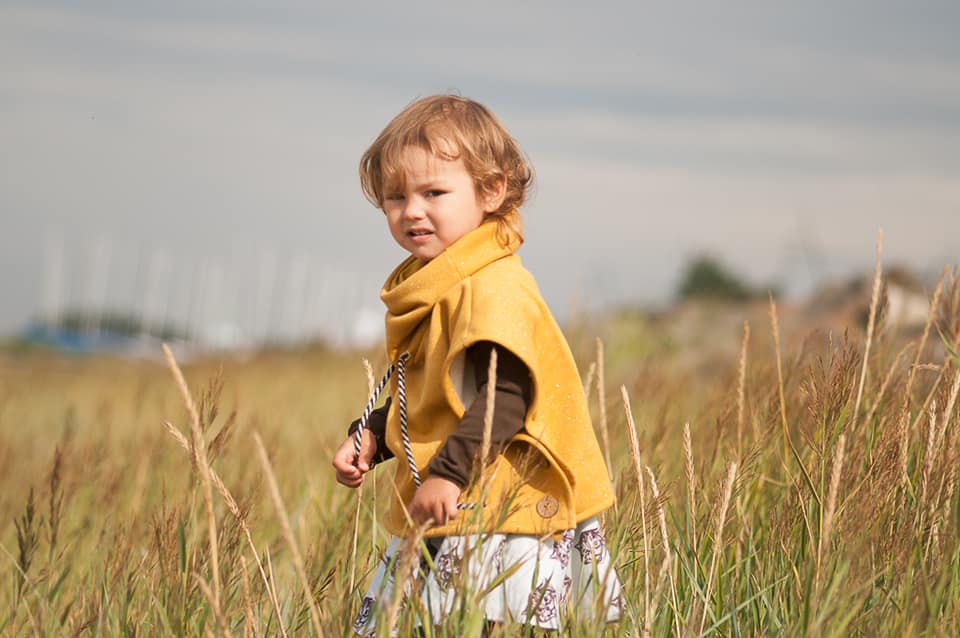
[{"x": 705, "y": 276}]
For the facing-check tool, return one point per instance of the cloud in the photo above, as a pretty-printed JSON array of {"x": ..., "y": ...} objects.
[
  {"x": 736, "y": 60},
  {"x": 761, "y": 146},
  {"x": 655, "y": 130}
]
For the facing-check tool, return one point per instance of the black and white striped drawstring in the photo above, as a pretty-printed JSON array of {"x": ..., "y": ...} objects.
[{"x": 404, "y": 434}]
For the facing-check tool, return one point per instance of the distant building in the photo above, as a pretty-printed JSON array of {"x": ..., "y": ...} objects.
[{"x": 904, "y": 300}]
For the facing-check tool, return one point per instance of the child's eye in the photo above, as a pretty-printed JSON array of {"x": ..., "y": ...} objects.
[
  {"x": 434, "y": 193},
  {"x": 393, "y": 197}
]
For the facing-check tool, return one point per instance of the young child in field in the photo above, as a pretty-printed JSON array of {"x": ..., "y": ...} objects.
[{"x": 450, "y": 179}]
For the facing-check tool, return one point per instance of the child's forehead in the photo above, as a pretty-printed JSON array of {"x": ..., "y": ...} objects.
[{"x": 418, "y": 163}]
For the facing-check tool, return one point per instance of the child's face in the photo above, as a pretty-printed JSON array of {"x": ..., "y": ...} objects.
[{"x": 437, "y": 206}]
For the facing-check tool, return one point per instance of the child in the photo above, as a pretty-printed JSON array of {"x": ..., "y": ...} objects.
[{"x": 450, "y": 180}]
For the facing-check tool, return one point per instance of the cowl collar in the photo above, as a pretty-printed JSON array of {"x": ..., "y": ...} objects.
[{"x": 414, "y": 287}]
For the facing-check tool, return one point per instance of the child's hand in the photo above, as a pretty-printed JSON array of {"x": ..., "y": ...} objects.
[
  {"x": 348, "y": 473},
  {"x": 435, "y": 500}
]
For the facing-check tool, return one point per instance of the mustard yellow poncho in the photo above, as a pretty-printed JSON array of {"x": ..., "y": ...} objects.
[{"x": 552, "y": 475}]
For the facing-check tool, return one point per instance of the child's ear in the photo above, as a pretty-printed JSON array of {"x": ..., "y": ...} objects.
[{"x": 492, "y": 194}]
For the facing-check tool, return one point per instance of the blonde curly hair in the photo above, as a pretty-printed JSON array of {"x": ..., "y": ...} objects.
[{"x": 450, "y": 127}]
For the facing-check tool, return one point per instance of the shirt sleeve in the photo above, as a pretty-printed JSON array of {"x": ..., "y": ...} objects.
[
  {"x": 512, "y": 398},
  {"x": 377, "y": 425}
]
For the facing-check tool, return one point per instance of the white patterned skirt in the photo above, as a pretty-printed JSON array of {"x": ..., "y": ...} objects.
[{"x": 531, "y": 580}]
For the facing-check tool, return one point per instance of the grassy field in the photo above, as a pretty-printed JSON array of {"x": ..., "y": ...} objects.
[{"x": 812, "y": 494}]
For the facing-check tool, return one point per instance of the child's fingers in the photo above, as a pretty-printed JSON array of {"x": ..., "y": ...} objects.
[
  {"x": 452, "y": 511},
  {"x": 439, "y": 513},
  {"x": 350, "y": 480},
  {"x": 343, "y": 461},
  {"x": 346, "y": 472},
  {"x": 448, "y": 506},
  {"x": 346, "y": 461},
  {"x": 422, "y": 512},
  {"x": 435, "y": 500},
  {"x": 349, "y": 472}
]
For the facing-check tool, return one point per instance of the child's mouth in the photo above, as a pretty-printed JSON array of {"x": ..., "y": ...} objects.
[{"x": 419, "y": 235}]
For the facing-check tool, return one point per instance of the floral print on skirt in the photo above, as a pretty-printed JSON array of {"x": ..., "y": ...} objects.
[{"x": 547, "y": 578}]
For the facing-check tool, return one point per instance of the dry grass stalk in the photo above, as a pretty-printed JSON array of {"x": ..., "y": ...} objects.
[
  {"x": 928, "y": 454},
  {"x": 783, "y": 404},
  {"x": 638, "y": 469},
  {"x": 871, "y": 324},
  {"x": 904, "y": 447},
  {"x": 719, "y": 524},
  {"x": 249, "y": 620},
  {"x": 371, "y": 378},
  {"x": 592, "y": 370},
  {"x": 668, "y": 555},
  {"x": 948, "y": 411},
  {"x": 940, "y": 374},
  {"x": 930, "y": 395},
  {"x": 273, "y": 579},
  {"x": 934, "y": 304},
  {"x": 28, "y": 541},
  {"x": 661, "y": 579},
  {"x": 368, "y": 369},
  {"x": 741, "y": 388},
  {"x": 933, "y": 540},
  {"x": 930, "y": 367},
  {"x": 235, "y": 510},
  {"x": 951, "y": 485},
  {"x": 488, "y": 409},
  {"x": 217, "y": 614},
  {"x": 266, "y": 552},
  {"x": 371, "y": 384},
  {"x": 742, "y": 533},
  {"x": 947, "y": 481},
  {"x": 885, "y": 384},
  {"x": 356, "y": 538},
  {"x": 287, "y": 532},
  {"x": 203, "y": 467},
  {"x": 214, "y": 477},
  {"x": 691, "y": 484},
  {"x": 602, "y": 399},
  {"x": 831, "y": 506},
  {"x": 787, "y": 441},
  {"x": 177, "y": 435},
  {"x": 406, "y": 570},
  {"x": 55, "y": 501}
]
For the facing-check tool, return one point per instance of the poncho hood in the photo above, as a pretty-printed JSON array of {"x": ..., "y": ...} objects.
[{"x": 414, "y": 287}]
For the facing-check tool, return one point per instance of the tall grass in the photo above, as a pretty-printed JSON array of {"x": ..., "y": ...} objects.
[{"x": 814, "y": 492}]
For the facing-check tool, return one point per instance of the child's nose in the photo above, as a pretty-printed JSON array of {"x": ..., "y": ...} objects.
[{"x": 413, "y": 209}]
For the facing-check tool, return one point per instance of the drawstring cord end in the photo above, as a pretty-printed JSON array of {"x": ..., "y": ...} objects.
[{"x": 400, "y": 367}]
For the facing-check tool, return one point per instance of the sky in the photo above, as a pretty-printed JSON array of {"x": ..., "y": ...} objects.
[{"x": 197, "y": 162}]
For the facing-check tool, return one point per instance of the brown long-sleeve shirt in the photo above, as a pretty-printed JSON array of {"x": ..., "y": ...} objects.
[{"x": 512, "y": 398}]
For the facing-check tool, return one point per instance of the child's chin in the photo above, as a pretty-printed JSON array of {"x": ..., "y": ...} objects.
[{"x": 424, "y": 255}]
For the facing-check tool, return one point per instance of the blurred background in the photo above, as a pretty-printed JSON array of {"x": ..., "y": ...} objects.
[{"x": 188, "y": 171}]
